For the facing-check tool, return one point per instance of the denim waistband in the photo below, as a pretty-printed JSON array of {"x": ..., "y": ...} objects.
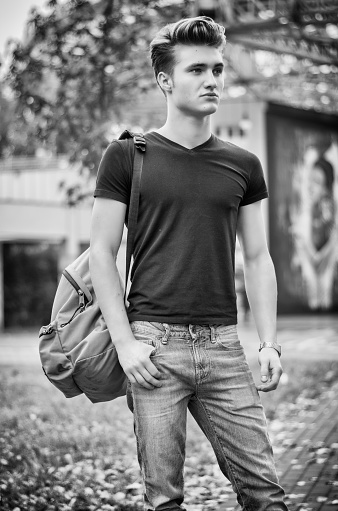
[{"x": 186, "y": 331}]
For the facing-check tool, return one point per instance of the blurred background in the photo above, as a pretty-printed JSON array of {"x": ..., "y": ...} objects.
[{"x": 75, "y": 73}]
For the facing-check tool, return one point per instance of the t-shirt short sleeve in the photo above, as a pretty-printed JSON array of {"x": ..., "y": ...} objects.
[
  {"x": 113, "y": 178},
  {"x": 257, "y": 188}
]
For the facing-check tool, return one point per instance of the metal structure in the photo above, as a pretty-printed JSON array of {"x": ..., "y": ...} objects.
[{"x": 285, "y": 51}]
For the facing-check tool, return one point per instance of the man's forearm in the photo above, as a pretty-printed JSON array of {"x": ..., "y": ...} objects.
[
  {"x": 261, "y": 287},
  {"x": 134, "y": 356},
  {"x": 109, "y": 292}
]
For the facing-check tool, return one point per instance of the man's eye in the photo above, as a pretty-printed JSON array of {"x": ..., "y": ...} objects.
[
  {"x": 218, "y": 72},
  {"x": 196, "y": 71}
]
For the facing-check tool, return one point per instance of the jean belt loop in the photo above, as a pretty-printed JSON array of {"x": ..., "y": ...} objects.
[
  {"x": 212, "y": 334},
  {"x": 192, "y": 331},
  {"x": 165, "y": 337}
]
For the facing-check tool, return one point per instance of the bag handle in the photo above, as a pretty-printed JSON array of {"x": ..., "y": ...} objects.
[{"x": 139, "y": 149}]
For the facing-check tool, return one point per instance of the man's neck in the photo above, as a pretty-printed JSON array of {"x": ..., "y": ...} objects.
[{"x": 189, "y": 132}]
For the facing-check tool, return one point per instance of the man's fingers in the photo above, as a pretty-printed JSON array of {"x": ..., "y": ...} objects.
[
  {"x": 267, "y": 387},
  {"x": 144, "y": 380},
  {"x": 139, "y": 380},
  {"x": 276, "y": 373},
  {"x": 271, "y": 370},
  {"x": 147, "y": 375},
  {"x": 138, "y": 366},
  {"x": 150, "y": 372},
  {"x": 155, "y": 382},
  {"x": 274, "y": 380},
  {"x": 264, "y": 373},
  {"x": 152, "y": 369}
]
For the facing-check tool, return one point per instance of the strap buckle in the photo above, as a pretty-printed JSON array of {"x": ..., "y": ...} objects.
[{"x": 139, "y": 142}]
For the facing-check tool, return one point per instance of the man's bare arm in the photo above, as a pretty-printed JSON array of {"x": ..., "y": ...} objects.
[
  {"x": 105, "y": 239},
  {"x": 260, "y": 281}
]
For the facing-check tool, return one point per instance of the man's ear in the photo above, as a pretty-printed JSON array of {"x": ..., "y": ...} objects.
[{"x": 165, "y": 82}]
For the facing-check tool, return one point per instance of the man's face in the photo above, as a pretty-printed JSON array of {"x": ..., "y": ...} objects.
[
  {"x": 197, "y": 80},
  {"x": 317, "y": 188}
]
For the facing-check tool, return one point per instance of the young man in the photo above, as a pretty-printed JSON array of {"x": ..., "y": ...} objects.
[{"x": 177, "y": 342}]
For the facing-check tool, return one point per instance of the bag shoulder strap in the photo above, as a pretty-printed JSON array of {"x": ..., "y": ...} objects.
[{"x": 139, "y": 149}]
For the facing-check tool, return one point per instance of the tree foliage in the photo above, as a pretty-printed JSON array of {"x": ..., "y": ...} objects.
[
  {"x": 6, "y": 114},
  {"x": 82, "y": 64},
  {"x": 17, "y": 129}
]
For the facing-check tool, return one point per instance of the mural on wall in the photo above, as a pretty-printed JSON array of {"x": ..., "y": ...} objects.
[{"x": 303, "y": 170}]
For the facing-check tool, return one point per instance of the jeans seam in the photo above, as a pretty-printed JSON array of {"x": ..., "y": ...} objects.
[
  {"x": 220, "y": 446},
  {"x": 206, "y": 369}
]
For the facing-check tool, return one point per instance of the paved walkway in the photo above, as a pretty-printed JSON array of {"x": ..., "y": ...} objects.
[{"x": 308, "y": 468}]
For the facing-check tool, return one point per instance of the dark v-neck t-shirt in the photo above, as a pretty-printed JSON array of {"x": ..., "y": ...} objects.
[{"x": 184, "y": 254}]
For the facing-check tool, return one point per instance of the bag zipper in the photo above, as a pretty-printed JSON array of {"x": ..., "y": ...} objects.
[{"x": 79, "y": 309}]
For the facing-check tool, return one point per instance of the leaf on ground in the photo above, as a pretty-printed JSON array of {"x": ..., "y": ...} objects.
[{"x": 321, "y": 499}]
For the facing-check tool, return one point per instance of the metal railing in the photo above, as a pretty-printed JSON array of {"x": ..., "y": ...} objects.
[{"x": 35, "y": 180}]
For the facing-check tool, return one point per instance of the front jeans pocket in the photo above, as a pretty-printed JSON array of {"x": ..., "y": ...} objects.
[
  {"x": 146, "y": 333},
  {"x": 227, "y": 338}
]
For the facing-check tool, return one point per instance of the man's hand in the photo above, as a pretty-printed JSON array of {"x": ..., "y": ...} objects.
[
  {"x": 135, "y": 360},
  {"x": 271, "y": 369}
]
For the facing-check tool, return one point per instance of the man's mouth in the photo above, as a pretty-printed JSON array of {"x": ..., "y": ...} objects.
[{"x": 210, "y": 95}]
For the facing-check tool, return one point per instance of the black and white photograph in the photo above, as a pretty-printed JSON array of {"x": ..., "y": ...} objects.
[{"x": 169, "y": 255}]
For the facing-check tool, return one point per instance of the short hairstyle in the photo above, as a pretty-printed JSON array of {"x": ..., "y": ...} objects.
[
  {"x": 200, "y": 30},
  {"x": 328, "y": 172}
]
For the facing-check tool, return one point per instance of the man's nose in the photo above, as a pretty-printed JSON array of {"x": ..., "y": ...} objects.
[{"x": 210, "y": 80}]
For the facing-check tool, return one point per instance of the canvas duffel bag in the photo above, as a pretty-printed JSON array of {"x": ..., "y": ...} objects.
[{"x": 76, "y": 351}]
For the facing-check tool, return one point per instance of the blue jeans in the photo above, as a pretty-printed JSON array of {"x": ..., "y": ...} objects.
[{"x": 203, "y": 369}]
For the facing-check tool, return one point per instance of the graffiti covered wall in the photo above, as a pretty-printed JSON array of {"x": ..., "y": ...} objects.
[{"x": 303, "y": 185}]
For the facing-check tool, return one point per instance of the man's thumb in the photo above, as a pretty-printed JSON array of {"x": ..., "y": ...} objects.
[{"x": 264, "y": 373}]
